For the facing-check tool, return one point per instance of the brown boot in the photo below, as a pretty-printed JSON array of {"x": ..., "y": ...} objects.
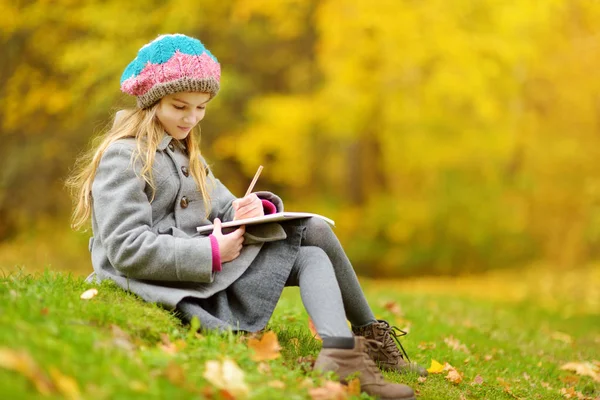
[
  {"x": 388, "y": 356},
  {"x": 346, "y": 362}
]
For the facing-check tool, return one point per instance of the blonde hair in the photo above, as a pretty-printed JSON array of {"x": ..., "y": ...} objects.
[{"x": 142, "y": 125}]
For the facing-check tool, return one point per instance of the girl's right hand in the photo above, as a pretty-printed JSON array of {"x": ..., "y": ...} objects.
[{"x": 230, "y": 245}]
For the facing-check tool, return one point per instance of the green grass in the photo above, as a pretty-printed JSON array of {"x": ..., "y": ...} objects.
[{"x": 516, "y": 347}]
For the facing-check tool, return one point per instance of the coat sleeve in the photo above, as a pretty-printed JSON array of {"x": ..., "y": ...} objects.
[
  {"x": 123, "y": 215},
  {"x": 222, "y": 198}
]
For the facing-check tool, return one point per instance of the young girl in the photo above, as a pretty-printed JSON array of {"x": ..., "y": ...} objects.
[{"x": 146, "y": 188}]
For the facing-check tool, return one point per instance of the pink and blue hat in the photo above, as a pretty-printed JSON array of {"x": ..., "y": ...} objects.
[{"x": 171, "y": 64}]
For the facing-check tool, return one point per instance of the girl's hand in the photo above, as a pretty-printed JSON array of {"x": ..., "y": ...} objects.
[
  {"x": 248, "y": 207},
  {"x": 230, "y": 245}
]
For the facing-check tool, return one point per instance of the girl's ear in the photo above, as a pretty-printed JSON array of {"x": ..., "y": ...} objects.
[{"x": 118, "y": 117}]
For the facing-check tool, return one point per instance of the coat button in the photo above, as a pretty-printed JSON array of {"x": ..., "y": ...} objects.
[
  {"x": 184, "y": 202},
  {"x": 171, "y": 147},
  {"x": 185, "y": 170}
]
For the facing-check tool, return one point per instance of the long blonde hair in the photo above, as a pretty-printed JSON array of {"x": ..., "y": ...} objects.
[{"x": 142, "y": 125}]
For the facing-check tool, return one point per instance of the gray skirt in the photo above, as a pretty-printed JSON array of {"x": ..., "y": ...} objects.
[{"x": 248, "y": 303}]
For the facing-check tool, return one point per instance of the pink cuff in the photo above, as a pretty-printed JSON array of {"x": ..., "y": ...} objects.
[
  {"x": 216, "y": 254},
  {"x": 268, "y": 207}
]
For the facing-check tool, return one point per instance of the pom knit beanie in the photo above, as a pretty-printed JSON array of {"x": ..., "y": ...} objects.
[{"x": 171, "y": 64}]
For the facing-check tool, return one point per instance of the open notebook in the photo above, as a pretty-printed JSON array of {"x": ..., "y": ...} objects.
[{"x": 280, "y": 216}]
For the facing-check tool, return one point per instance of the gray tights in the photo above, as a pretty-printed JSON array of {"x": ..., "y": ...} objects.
[{"x": 328, "y": 284}]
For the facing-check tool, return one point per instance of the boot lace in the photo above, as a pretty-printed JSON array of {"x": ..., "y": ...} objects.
[{"x": 395, "y": 333}]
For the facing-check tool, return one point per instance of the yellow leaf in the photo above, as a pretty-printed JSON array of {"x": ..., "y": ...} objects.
[
  {"x": 226, "y": 375},
  {"x": 353, "y": 388},
  {"x": 267, "y": 348},
  {"x": 21, "y": 362},
  {"x": 65, "y": 384},
  {"x": 435, "y": 367},
  {"x": 313, "y": 330},
  {"x": 89, "y": 294}
]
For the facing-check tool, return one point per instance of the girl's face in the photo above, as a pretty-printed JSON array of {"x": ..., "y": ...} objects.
[{"x": 180, "y": 112}]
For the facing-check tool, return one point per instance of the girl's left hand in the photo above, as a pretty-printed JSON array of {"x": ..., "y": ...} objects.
[{"x": 248, "y": 207}]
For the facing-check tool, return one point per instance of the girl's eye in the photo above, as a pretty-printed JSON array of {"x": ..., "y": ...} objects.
[
  {"x": 179, "y": 107},
  {"x": 201, "y": 107}
]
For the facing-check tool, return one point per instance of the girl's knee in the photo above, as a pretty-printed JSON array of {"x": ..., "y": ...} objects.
[{"x": 317, "y": 228}]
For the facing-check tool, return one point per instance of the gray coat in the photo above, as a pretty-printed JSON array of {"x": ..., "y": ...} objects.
[{"x": 151, "y": 248}]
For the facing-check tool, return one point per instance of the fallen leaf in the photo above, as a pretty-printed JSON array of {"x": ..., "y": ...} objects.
[
  {"x": 526, "y": 376},
  {"x": 462, "y": 397},
  {"x": 435, "y": 367},
  {"x": 561, "y": 337},
  {"x": 546, "y": 385},
  {"x": 175, "y": 374},
  {"x": 353, "y": 388},
  {"x": 454, "y": 377},
  {"x": 121, "y": 338},
  {"x": 426, "y": 346},
  {"x": 455, "y": 344},
  {"x": 226, "y": 375},
  {"x": 65, "y": 384},
  {"x": 569, "y": 379},
  {"x": 329, "y": 391},
  {"x": 44, "y": 311},
  {"x": 264, "y": 368},
  {"x": 478, "y": 380},
  {"x": 267, "y": 348},
  {"x": 583, "y": 369},
  {"x": 488, "y": 357},
  {"x": 277, "y": 384},
  {"x": 393, "y": 307},
  {"x": 421, "y": 379},
  {"x": 23, "y": 363},
  {"x": 138, "y": 386},
  {"x": 89, "y": 294},
  {"x": 313, "y": 329}
]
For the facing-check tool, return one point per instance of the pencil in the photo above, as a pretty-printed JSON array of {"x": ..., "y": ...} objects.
[{"x": 253, "y": 181}]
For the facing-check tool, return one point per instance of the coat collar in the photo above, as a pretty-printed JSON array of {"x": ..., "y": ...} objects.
[{"x": 164, "y": 142}]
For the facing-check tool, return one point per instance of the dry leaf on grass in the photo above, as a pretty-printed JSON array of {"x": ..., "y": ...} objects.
[
  {"x": 584, "y": 369},
  {"x": 66, "y": 385},
  {"x": 24, "y": 364},
  {"x": 435, "y": 367},
  {"x": 393, "y": 307},
  {"x": 313, "y": 329},
  {"x": 571, "y": 393},
  {"x": 353, "y": 388},
  {"x": 227, "y": 376},
  {"x": 454, "y": 376},
  {"x": 267, "y": 348},
  {"x": 121, "y": 338},
  {"x": 455, "y": 344},
  {"x": 421, "y": 379},
  {"x": 561, "y": 337},
  {"x": 478, "y": 380},
  {"x": 329, "y": 391},
  {"x": 175, "y": 374},
  {"x": 277, "y": 384},
  {"x": 89, "y": 294}
]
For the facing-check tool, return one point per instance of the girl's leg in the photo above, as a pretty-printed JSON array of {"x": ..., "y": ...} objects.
[
  {"x": 313, "y": 273},
  {"x": 319, "y": 233}
]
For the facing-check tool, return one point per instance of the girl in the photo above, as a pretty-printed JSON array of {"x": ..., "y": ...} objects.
[{"x": 146, "y": 188}]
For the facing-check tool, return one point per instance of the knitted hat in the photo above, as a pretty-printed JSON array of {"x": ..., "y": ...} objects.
[{"x": 171, "y": 64}]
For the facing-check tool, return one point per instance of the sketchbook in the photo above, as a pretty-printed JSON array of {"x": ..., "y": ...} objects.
[{"x": 277, "y": 217}]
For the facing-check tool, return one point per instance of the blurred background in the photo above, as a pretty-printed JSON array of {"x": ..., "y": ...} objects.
[{"x": 444, "y": 138}]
